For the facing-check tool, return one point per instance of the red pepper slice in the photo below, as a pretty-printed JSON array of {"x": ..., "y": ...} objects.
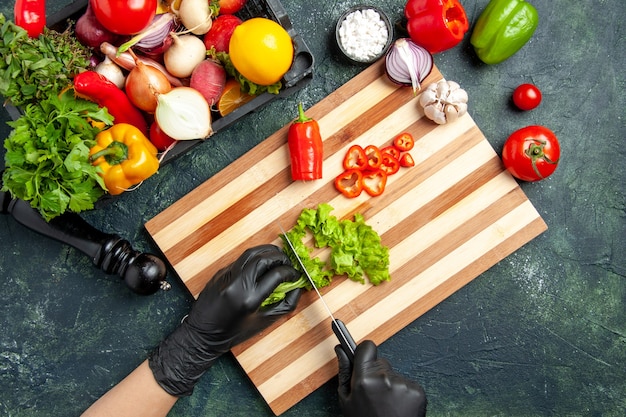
[
  {"x": 374, "y": 157},
  {"x": 391, "y": 150},
  {"x": 390, "y": 164},
  {"x": 406, "y": 160},
  {"x": 305, "y": 148},
  {"x": 404, "y": 142},
  {"x": 374, "y": 182},
  {"x": 30, "y": 15},
  {"x": 436, "y": 25},
  {"x": 350, "y": 183},
  {"x": 355, "y": 158}
]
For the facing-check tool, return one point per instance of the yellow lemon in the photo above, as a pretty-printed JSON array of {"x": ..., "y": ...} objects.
[{"x": 261, "y": 50}]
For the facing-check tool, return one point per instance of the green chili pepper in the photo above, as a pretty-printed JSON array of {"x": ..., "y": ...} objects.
[{"x": 502, "y": 29}]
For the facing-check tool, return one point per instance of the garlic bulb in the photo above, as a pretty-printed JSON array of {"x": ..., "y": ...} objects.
[{"x": 444, "y": 101}]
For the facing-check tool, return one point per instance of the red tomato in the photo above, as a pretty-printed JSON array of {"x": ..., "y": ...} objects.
[
  {"x": 159, "y": 139},
  {"x": 124, "y": 17},
  {"x": 526, "y": 97},
  {"x": 531, "y": 153}
]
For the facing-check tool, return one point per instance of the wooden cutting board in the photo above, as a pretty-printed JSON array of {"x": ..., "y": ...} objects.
[{"x": 446, "y": 220}]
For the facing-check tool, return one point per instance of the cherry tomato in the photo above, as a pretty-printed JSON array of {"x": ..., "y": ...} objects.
[
  {"x": 531, "y": 153},
  {"x": 159, "y": 139},
  {"x": 124, "y": 17},
  {"x": 526, "y": 96}
]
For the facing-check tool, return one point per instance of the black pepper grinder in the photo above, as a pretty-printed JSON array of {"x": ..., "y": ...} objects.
[{"x": 143, "y": 273}]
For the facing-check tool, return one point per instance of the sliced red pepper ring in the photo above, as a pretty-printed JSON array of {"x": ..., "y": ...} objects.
[
  {"x": 355, "y": 158},
  {"x": 391, "y": 150},
  {"x": 390, "y": 164},
  {"x": 374, "y": 157},
  {"x": 404, "y": 142},
  {"x": 349, "y": 183},
  {"x": 406, "y": 160},
  {"x": 374, "y": 182}
]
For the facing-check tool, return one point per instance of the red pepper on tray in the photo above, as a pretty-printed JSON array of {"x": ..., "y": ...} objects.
[
  {"x": 30, "y": 15},
  {"x": 97, "y": 88},
  {"x": 436, "y": 25},
  {"x": 305, "y": 148}
]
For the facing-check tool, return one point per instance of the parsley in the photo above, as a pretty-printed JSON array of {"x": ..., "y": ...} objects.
[
  {"x": 33, "y": 68},
  {"x": 356, "y": 251},
  {"x": 47, "y": 158}
]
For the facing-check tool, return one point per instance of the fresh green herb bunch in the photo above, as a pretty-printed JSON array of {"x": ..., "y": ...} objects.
[
  {"x": 47, "y": 158},
  {"x": 33, "y": 68}
]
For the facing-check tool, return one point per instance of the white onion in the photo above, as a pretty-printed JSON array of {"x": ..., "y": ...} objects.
[
  {"x": 408, "y": 63},
  {"x": 184, "y": 114}
]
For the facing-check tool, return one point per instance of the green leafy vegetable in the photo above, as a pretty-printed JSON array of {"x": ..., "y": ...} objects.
[
  {"x": 47, "y": 158},
  {"x": 355, "y": 251},
  {"x": 33, "y": 68},
  {"x": 247, "y": 86}
]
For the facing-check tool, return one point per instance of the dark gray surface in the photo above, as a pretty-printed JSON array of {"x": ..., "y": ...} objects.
[{"x": 541, "y": 333}]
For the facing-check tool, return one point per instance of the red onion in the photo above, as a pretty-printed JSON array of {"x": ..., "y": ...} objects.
[
  {"x": 408, "y": 63},
  {"x": 155, "y": 35},
  {"x": 90, "y": 32}
]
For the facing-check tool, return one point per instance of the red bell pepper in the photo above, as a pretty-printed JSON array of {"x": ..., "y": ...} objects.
[
  {"x": 390, "y": 164},
  {"x": 355, "y": 158},
  {"x": 374, "y": 182},
  {"x": 97, "y": 88},
  {"x": 30, "y": 15},
  {"x": 350, "y": 183},
  {"x": 404, "y": 142},
  {"x": 305, "y": 148},
  {"x": 406, "y": 160},
  {"x": 391, "y": 150},
  {"x": 436, "y": 25},
  {"x": 374, "y": 157}
]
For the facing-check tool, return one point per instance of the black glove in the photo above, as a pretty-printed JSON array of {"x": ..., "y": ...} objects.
[
  {"x": 226, "y": 313},
  {"x": 370, "y": 388}
]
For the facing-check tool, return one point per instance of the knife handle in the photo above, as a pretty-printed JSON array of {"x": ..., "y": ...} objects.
[{"x": 345, "y": 338}]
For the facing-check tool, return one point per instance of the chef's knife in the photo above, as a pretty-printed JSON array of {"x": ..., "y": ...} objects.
[{"x": 339, "y": 328}]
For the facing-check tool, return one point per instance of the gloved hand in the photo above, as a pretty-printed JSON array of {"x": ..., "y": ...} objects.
[
  {"x": 370, "y": 388},
  {"x": 226, "y": 313}
]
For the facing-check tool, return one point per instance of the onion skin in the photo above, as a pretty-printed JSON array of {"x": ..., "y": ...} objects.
[
  {"x": 144, "y": 84},
  {"x": 90, "y": 32},
  {"x": 128, "y": 62},
  {"x": 408, "y": 64}
]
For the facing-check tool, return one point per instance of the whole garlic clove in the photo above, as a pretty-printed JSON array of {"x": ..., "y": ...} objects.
[{"x": 444, "y": 101}]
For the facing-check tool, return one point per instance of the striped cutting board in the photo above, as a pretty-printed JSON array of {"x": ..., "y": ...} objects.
[{"x": 446, "y": 220}]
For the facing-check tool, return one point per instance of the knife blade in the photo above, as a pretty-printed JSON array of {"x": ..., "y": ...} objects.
[{"x": 339, "y": 327}]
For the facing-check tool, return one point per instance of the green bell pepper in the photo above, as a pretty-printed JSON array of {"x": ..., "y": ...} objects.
[{"x": 502, "y": 29}]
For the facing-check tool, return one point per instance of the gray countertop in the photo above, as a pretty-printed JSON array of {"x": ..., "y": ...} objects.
[{"x": 543, "y": 332}]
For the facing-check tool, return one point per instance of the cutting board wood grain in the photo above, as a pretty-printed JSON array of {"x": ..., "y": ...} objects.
[{"x": 446, "y": 220}]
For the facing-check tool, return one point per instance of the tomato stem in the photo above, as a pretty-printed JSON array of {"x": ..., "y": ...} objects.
[{"x": 535, "y": 152}]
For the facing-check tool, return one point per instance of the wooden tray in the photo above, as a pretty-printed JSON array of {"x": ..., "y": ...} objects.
[{"x": 446, "y": 220}]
